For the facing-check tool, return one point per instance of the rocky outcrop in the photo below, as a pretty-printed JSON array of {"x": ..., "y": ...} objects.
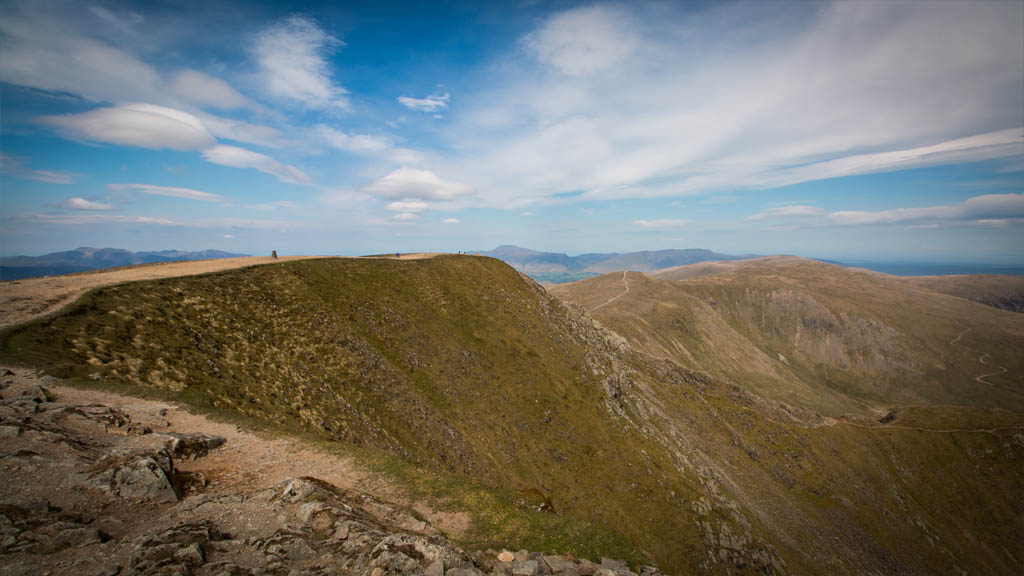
[{"x": 78, "y": 499}]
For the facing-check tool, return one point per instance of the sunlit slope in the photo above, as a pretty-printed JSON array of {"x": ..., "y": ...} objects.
[
  {"x": 818, "y": 335},
  {"x": 461, "y": 364}
]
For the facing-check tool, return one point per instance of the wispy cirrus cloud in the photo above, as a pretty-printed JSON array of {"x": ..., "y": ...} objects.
[
  {"x": 408, "y": 205},
  {"x": 241, "y": 158},
  {"x": 638, "y": 101},
  {"x": 794, "y": 211},
  {"x": 987, "y": 208},
  {"x": 15, "y": 167},
  {"x": 170, "y": 191},
  {"x": 292, "y": 57},
  {"x": 77, "y": 203},
  {"x": 207, "y": 90},
  {"x": 663, "y": 223}
]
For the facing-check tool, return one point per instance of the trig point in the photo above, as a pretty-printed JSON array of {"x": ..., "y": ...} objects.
[{"x": 273, "y": 254}]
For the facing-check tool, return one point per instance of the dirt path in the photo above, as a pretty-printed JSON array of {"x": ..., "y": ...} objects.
[
  {"x": 984, "y": 355},
  {"x": 614, "y": 298},
  {"x": 24, "y": 300},
  {"x": 247, "y": 461}
]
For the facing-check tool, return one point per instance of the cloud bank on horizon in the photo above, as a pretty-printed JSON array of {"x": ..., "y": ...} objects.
[{"x": 824, "y": 129}]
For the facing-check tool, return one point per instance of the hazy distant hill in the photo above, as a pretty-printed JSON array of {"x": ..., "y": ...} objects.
[
  {"x": 84, "y": 259},
  {"x": 556, "y": 268}
]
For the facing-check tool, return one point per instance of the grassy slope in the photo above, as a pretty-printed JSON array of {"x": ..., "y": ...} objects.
[
  {"x": 999, "y": 291},
  {"x": 472, "y": 375},
  {"x": 850, "y": 340}
]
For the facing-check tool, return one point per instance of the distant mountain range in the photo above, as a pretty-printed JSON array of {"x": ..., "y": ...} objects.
[
  {"x": 557, "y": 268},
  {"x": 84, "y": 259}
]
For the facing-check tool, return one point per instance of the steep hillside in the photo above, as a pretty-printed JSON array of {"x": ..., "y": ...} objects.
[
  {"x": 817, "y": 335},
  {"x": 459, "y": 364},
  {"x": 999, "y": 291}
]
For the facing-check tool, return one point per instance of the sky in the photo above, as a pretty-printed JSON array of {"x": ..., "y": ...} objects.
[{"x": 857, "y": 130}]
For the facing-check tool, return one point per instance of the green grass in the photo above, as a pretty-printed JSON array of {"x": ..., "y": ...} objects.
[{"x": 473, "y": 391}]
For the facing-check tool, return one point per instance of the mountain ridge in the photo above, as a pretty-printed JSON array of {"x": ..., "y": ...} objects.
[{"x": 460, "y": 364}]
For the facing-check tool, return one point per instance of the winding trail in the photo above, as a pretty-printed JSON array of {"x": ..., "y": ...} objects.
[
  {"x": 981, "y": 378},
  {"x": 614, "y": 298}
]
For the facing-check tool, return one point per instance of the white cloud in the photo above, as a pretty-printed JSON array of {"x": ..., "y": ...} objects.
[
  {"x": 451, "y": 221},
  {"x": 229, "y": 236},
  {"x": 787, "y": 212},
  {"x": 584, "y": 41},
  {"x": 408, "y": 182},
  {"x": 405, "y": 217},
  {"x": 142, "y": 125},
  {"x": 46, "y": 49},
  {"x": 77, "y": 203},
  {"x": 979, "y": 209},
  {"x": 171, "y": 191},
  {"x": 404, "y": 156},
  {"x": 84, "y": 219},
  {"x": 526, "y": 214},
  {"x": 657, "y": 100},
  {"x": 240, "y": 131},
  {"x": 358, "y": 143},
  {"x": 206, "y": 90},
  {"x": 205, "y": 223},
  {"x": 242, "y": 158},
  {"x": 14, "y": 166},
  {"x": 433, "y": 103},
  {"x": 292, "y": 57},
  {"x": 273, "y": 205},
  {"x": 662, "y": 223},
  {"x": 998, "y": 144},
  {"x": 408, "y": 205},
  {"x": 123, "y": 20}
]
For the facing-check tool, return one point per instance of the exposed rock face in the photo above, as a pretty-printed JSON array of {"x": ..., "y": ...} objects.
[
  {"x": 79, "y": 500},
  {"x": 146, "y": 475}
]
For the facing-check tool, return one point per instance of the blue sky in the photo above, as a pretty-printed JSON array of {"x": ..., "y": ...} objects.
[{"x": 835, "y": 130}]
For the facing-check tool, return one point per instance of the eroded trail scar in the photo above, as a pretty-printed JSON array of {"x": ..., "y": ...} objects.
[
  {"x": 981, "y": 359},
  {"x": 625, "y": 282}
]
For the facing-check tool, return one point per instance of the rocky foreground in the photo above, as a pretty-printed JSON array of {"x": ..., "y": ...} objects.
[{"x": 91, "y": 489}]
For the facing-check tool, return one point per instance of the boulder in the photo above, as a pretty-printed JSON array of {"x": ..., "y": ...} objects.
[
  {"x": 561, "y": 565},
  {"x": 176, "y": 550},
  {"x": 614, "y": 565},
  {"x": 142, "y": 475},
  {"x": 435, "y": 568},
  {"x": 506, "y": 556},
  {"x": 37, "y": 394},
  {"x": 193, "y": 445},
  {"x": 527, "y": 568},
  {"x": 587, "y": 568}
]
